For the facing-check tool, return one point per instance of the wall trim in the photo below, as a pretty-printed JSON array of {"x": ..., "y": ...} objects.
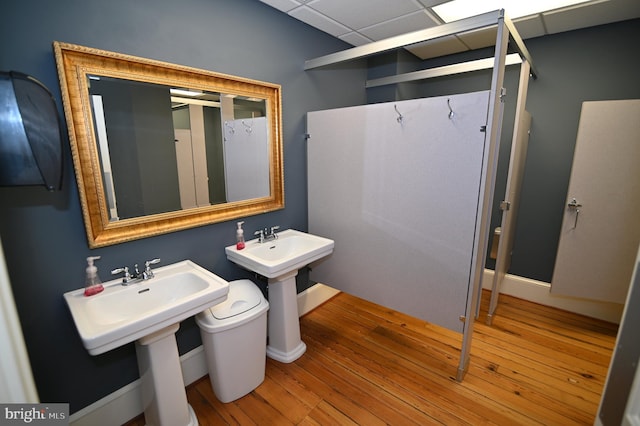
[
  {"x": 540, "y": 292},
  {"x": 314, "y": 296},
  {"x": 125, "y": 404}
]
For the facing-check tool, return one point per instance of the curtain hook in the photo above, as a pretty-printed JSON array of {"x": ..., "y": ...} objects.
[{"x": 399, "y": 119}]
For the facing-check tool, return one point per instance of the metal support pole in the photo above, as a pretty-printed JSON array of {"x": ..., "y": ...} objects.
[
  {"x": 483, "y": 223},
  {"x": 516, "y": 166}
]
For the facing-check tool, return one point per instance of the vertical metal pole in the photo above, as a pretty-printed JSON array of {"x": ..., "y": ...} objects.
[
  {"x": 506, "y": 237},
  {"x": 483, "y": 222}
]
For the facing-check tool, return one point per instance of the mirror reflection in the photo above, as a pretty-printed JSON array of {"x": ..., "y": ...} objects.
[
  {"x": 159, "y": 147},
  {"x": 165, "y": 148}
]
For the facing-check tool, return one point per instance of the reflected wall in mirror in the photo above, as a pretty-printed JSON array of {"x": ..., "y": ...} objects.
[{"x": 159, "y": 147}]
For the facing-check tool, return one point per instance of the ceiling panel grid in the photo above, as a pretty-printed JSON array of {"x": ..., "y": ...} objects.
[{"x": 360, "y": 22}]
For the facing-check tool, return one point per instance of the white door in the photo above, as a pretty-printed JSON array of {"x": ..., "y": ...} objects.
[
  {"x": 600, "y": 230},
  {"x": 184, "y": 156},
  {"x": 16, "y": 378},
  {"x": 191, "y": 155}
]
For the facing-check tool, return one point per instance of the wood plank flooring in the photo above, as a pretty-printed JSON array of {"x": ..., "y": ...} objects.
[{"x": 369, "y": 365}]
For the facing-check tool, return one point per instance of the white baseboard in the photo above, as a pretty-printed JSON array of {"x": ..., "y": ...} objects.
[
  {"x": 126, "y": 403},
  {"x": 314, "y": 296},
  {"x": 539, "y": 292},
  {"x": 513, "y": 285}
]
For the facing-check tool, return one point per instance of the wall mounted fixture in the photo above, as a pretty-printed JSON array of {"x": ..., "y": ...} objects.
[{"x": 30, "y": 139}]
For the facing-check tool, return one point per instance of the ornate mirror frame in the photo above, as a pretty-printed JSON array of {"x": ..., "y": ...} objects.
[{"x": 75, "y": 63}]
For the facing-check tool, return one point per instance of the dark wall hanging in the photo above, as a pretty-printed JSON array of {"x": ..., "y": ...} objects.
[{"x": 30, "y": 137}]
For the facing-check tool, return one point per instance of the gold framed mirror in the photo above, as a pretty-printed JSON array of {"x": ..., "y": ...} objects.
[{"x": 159, "y": 147}]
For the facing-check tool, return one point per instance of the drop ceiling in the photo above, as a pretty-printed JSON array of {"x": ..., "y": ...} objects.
[{"x": 359, "y": 22}]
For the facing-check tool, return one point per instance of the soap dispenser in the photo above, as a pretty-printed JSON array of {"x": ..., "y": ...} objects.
[
  {"x": 240, "y": 237},
  {"x": 92, "y": 285}
]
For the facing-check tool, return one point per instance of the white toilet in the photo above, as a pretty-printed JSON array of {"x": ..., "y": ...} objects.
[{"x": 234, "y": 336}]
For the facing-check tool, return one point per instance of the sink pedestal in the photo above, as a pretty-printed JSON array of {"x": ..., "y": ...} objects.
[
  {"x": 163, "y": 394},
  {"x": 279, "y": 259},
  {"x": 285, "y": 344}
]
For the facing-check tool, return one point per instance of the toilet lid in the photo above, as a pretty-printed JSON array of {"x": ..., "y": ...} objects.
[{"x": 243, "y": 296}]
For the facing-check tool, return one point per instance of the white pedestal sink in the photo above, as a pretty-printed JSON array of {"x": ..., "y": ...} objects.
[
  {"x": 149, "y": 313},
  {"x": 279, "y": 260}
]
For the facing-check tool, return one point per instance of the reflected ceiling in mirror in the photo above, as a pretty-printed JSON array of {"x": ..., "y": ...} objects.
[{"x": 159, "y": 147}]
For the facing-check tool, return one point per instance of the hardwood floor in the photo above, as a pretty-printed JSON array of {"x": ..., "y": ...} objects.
[{"x": 369, "y": 365}]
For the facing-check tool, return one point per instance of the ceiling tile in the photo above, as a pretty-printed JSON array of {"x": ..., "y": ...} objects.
[
  {"x": 315, "y": 19},
  {"x": 402, "y": 25},
  {"x": 359, "y": 22},
  {"x": 530, "y": 26},
  {"x": 283, "y": 5},
  {"x": 358, "y": 14},
  {"x": 355, "y": 39}
]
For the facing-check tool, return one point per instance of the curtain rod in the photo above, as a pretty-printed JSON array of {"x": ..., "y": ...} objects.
[
  {"x": 479, "y": 64},
  {"x": 468, "y": 24},
  {"x": 452, "y": 28}
]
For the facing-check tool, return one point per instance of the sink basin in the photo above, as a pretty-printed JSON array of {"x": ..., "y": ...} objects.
[
  {"x": 122, "y": 314},
  {"x": 289, "y": 252}
]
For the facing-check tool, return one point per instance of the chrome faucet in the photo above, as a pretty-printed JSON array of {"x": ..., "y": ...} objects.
[
  {"x": 267, "y": 234},
  {"x": 148, "y": 273},
  {"x": 127, "y": 279},
  {"x": 260, "y": 234},
  {"x": 137, "y": 276}
]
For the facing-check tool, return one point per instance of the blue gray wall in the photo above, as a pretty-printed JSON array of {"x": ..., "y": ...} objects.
[{"x": 43, "y": 233}]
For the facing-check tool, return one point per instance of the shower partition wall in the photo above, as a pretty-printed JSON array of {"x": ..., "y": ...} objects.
[
  {"x": 365, "y": 196},
  {"x": 400, "y": 201}
]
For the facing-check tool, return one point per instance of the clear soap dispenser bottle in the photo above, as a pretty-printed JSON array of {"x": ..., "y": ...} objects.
[
  {"x": 240, "y": 237},
  {"x": 92, "y": 285}
]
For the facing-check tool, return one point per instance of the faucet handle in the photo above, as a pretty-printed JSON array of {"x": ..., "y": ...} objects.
[
  {"x": 118, "y": 270},
  {"x": 148, "y": 273},
  {"x": 127, "y": 275},
  {"x": 273, "y": 231},
  {"x": 148, "y": 263}
]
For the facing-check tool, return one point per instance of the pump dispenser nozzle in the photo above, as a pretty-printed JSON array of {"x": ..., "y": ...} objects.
[{"x": 93, "y": 285}]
